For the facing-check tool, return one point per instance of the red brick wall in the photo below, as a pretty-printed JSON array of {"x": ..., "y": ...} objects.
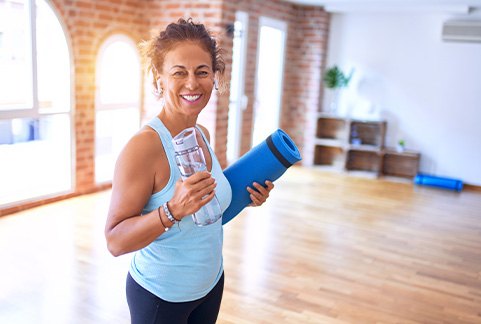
[
  {"x": 212, "y": 14},
  {"x": 306, "y": 50},
  {"x": 89, "y": 23},
  {"x": 306, "y": 57}
]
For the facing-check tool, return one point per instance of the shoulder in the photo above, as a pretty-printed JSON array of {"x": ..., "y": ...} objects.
[
  {"x": 144, "y": 146},
  {"x": 146, "y": 137},
  {"x": 205, "y": 131}
]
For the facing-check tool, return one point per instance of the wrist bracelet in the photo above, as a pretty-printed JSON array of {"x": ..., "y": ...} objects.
[
  {"x": 160, "y": 217},
  {"x": 169, "y": 214}
]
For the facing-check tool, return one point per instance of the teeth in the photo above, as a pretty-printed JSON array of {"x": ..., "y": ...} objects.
[{"x": 191, "y": 98}]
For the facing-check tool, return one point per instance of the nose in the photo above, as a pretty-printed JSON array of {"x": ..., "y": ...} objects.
[{"x": 191, "y": 82}]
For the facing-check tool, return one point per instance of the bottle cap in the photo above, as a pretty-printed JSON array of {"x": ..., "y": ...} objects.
[{"x": 185, "y": 140}]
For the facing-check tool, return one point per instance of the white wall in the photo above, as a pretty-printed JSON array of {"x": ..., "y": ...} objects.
[{"x": 429, "y": 91}]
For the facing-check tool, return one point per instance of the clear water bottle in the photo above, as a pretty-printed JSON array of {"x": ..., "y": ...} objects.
[{"x": 190, "y": 159}]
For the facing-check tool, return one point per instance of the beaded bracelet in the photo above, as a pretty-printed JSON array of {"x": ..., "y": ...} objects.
[
  {"x": 169, "y": 214},
  {"x": 160, "y": 217}
]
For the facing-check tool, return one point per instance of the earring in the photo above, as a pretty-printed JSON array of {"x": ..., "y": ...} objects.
[
  {"x": 216, "y": 84},
  {"x": 158, "y": 91}
]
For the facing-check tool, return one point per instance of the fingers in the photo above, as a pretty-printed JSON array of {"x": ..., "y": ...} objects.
[
  {"x": 201, "y": 183},
  {"x": 193, "y": 193},
  {"x": 260, "y": 194},
  {"x": 270, "y": 185},
  {"x": 198, "y": 176}
]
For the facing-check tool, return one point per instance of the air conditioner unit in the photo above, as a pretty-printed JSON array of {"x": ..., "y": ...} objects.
[{"x": 462, "y": 31}]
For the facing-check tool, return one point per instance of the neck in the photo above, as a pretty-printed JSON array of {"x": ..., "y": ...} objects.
[{"x": 176, "y": 123}]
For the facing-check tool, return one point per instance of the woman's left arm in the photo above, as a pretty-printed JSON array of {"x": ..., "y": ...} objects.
[{"x": 258, "y": 193}]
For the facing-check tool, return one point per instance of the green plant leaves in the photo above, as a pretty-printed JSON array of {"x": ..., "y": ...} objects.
[{"x": 335, "y": 78}]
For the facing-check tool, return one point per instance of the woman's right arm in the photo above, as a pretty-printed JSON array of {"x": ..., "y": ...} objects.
[{"x": 126, "y": 230}]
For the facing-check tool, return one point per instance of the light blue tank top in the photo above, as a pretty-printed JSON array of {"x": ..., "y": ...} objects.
[{"x": 185, "y": 263}]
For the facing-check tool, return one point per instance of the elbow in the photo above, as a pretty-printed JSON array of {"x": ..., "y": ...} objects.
[
  {"x": 114, "y": 248},
  {"x": 115, "y": 251}
]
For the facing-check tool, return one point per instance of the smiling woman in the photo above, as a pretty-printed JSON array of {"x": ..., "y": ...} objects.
[
  {"x": 177, "y": 273},
  {"x": 187, "y": 87}
]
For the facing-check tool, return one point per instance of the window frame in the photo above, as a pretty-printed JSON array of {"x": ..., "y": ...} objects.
[
  {"x": 103, "y": 107},
  {"x": 99, "y": 106},
  {"x": 33, "y": 110}
]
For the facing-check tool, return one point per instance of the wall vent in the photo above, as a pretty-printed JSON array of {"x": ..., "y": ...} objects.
[{"x": 462, "y": 31}]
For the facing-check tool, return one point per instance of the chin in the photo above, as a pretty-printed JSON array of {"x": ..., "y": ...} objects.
[{"x": 193, "y": 111}]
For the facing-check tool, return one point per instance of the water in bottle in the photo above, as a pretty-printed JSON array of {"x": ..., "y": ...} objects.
[{"x": 190, "y": 159}]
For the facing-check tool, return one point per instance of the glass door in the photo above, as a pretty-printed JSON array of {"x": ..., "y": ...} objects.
[
  {"x": 238, "y": 99},
  {"x": 269, "y": 78}
]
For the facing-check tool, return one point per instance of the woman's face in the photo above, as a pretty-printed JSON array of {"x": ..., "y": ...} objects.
[{"x": 187, "y": 78}]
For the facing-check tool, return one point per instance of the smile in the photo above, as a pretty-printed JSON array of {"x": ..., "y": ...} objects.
[{"x": 191, "y": 98}]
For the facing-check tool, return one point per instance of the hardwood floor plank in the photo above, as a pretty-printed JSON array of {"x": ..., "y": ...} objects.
[{"x": 327, "y": 248}]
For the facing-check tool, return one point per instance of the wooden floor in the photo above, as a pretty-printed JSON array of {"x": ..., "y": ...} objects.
[{"x": 327, "y": 248}]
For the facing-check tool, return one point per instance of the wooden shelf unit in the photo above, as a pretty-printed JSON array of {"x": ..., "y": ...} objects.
[
  {"x": 363, "y": 160},
  {"x": 371, "y": 133},
  {"x": 331, "y": 128},
  {"x": 400, "y": 164},
  {"x": 358, "y": 145},
  {"x": 332, "y": 156}
]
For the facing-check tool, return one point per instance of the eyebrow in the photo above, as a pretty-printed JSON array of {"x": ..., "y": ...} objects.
[{"x": 183, "y": 67}]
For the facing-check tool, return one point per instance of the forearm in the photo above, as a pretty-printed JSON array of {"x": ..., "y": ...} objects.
[{"x": 136, "y": 232}]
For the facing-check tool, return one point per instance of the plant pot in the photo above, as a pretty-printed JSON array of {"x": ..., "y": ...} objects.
[{"x": 333, "y": 100}]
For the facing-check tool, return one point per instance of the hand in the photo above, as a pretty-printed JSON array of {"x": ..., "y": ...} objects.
[
  {"x": 260, "y": 195},
  {"x": 191, "y": 194}
]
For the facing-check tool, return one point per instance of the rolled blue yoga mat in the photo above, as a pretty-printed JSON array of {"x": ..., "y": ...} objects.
[
  {"x": 440, "y": 182},
  {"x": 267, "y": 161}
]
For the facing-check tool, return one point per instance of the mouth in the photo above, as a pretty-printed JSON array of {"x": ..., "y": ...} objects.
[{"x": 191, "y": 98}]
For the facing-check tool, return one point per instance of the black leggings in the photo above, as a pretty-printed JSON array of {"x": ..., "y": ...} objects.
[{"x": 146, "y": 308}]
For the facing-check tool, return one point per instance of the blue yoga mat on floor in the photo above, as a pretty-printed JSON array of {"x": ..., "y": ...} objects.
[
  {"x": 439, "y": 182},
  {"x": 266, "y": 161}
]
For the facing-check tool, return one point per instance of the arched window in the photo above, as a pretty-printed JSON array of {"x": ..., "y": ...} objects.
[
  {"x": 35, "y": 102},
  {"x": 117, "y": 102}
]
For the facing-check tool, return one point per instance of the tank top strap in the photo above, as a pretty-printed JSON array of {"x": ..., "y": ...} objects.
[
  {"x": 166, "y": 138},
  {"x": 205, "y": 140}
]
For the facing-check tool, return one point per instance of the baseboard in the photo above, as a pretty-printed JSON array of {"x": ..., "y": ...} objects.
[
  {"x": 470, "y": 187},
  {"x": 14, "y": 208}
]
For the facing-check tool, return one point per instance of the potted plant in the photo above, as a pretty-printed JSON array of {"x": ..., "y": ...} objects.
[
  {"x": 401, "y": 145},
  {"x": 335, "y": 79}
]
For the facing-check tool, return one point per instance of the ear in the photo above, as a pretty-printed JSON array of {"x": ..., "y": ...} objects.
[{"x": 154, "y": 71}]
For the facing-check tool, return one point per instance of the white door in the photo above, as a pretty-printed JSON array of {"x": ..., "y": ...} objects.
[
  {"x": 238, "y": 99},
  {"x": 269, "y": 78}
]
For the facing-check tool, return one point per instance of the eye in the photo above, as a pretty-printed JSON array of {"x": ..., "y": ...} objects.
[
  {"x": 179, "y": 73},
  {"x": 203, "y": 74}
]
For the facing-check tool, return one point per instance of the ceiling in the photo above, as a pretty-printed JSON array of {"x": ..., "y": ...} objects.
[{"x": 453, "y": 6}]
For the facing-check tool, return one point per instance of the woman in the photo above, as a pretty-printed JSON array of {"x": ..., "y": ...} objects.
[{"x": 176, "y": 274}]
